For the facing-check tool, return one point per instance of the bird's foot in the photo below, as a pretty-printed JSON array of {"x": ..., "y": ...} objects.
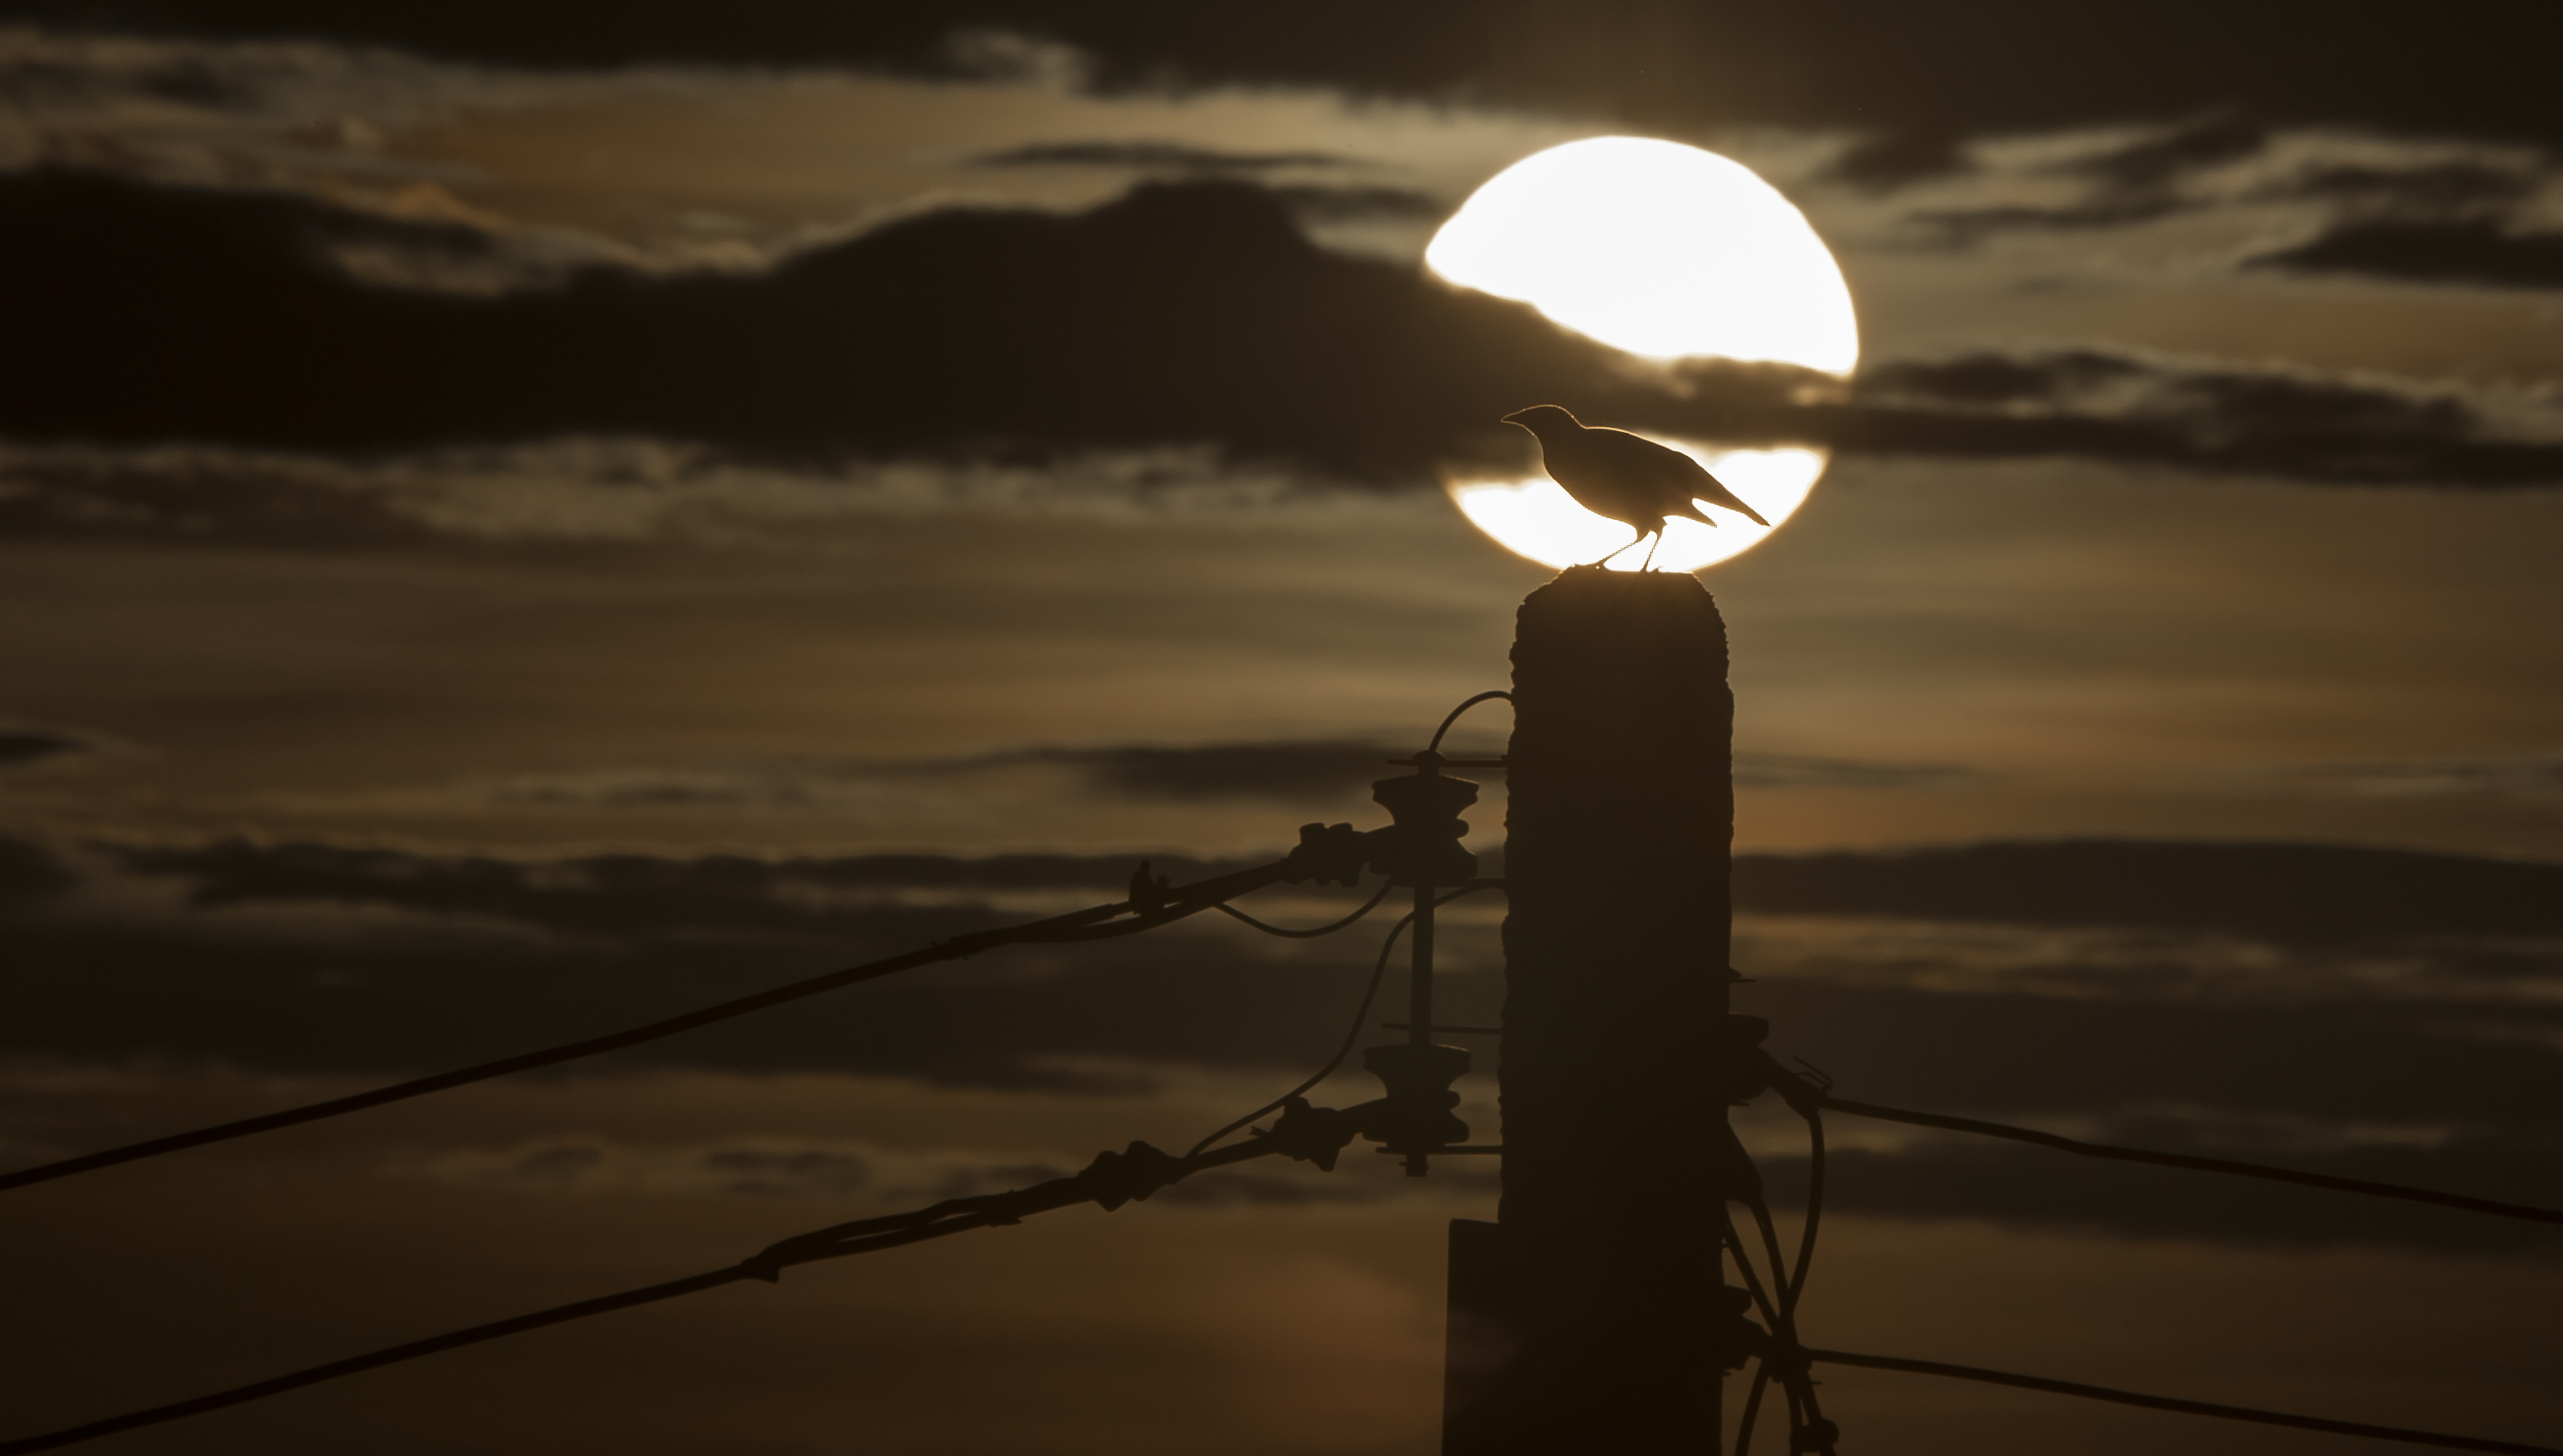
[{"x": 1614, "y": 551}]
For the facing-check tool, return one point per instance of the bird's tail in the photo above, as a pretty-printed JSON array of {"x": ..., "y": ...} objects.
[
  {"x": 1689, "y": 512},
  {"x": 1730, "y": 503}
]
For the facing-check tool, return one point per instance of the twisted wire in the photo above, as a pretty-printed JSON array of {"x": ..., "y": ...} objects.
[{"x": 1099, "y": 1183}]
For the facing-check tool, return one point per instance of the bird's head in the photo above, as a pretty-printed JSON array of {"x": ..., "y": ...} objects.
[{"x": 1543, "y": 418}]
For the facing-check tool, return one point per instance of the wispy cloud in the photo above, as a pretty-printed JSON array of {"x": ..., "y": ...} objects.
[{"x": 2524, "y": 777}]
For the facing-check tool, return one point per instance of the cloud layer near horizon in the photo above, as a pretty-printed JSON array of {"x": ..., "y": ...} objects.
[{"x": 2046, "y": 981}]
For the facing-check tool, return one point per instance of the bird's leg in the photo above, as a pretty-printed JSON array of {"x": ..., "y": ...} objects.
[
  {"x": 1650, "y": 552},
  {"x": 1615, "y": 550}
]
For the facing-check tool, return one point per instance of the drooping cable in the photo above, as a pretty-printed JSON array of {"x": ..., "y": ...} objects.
[
  {"x": 1076, "y": 927},
  {"x": 1112, "y": 1179},
  {"x": 1361, "y": 1018},
  {"x": 2188, "y": 1408},
  {"x": 1436, "y": 745},
  {"x": 2202, "y": 1165},
  {"x": 1233, "y": 913},
  {"x": 1815, "y": 1211}
]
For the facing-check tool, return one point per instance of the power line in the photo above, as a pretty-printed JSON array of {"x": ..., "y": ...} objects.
[
  {"x": 2183, "y": 1160},
  {"x": 1233, "y": 913},
  {"x": 2186, "y": 1407},
  {"x": 1112, "y": 1179},
  {"x": 1321, "y": 855}
]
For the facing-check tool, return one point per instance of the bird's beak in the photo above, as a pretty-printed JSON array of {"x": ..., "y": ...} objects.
[{"x": 1515, "y": 417}]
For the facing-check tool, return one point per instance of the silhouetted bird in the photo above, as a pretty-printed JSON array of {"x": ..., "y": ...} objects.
[{"x": 1631, "y": 480}]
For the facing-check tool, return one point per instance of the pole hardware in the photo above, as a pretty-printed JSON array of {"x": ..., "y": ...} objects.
[
  {"x": 1743, "y": 1074},
  {"x": 1416, "y": 1116},
  {"x": 1422, "y": 847}
]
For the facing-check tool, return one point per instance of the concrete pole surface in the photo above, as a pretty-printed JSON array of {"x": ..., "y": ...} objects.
[{"x": 1588, "y": 1321}]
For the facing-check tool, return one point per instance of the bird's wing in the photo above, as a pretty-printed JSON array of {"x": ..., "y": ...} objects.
[{"x": 1682, "y": 478}]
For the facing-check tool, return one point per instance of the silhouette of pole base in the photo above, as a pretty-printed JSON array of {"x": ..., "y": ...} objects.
[{"x": 1593, "y": 1318}]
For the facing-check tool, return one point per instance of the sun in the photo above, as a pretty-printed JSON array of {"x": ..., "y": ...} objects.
[{"x": 1668, "y": 252}]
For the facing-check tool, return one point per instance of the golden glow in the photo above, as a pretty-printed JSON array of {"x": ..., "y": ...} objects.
[{"x": 1669, "y": 252}]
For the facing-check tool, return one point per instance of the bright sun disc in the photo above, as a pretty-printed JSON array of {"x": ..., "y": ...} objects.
[{"x": 1669, "y": 252}]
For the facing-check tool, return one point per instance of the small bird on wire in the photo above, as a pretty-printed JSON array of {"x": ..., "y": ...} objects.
[{"x": 1630, "y": 478}]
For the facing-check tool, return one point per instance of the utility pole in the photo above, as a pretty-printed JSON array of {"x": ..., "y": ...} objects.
[{"x": 1594, "y": 1318}]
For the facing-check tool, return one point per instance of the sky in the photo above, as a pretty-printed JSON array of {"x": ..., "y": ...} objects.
[{"x": 519, "y": 519}]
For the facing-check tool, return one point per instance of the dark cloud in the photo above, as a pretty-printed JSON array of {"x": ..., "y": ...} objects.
[
  {"x": 1361, "y": 204},
  {"x": 1969, "y": 66},
  {"x": 1891, "y": 159},
  {"x": 637, "y": 897},
  {"x": 1295, "y": 771},
  {"x": 1798, "y": 770},
  {"x": 2131, "y": 409},
  {"x": 1308, "y": 202},
  {"x": 1181, "y": 312},
  {"x": 30, "y": 874},
  {"x": 2003, "y": 380},
  {"x": 1965, "y": 226},
  {"x": 2298, "y": 892},
  {"x": 34, "y": 745},
  {"x": 1153, "y": 155},
  {"x": 1178, "y": 313},
  {"x": 2475, "y": 251}
]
